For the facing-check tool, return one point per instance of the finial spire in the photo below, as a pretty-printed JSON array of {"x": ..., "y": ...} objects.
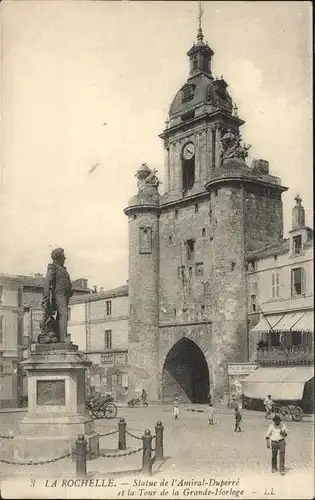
[{"x": 200, "y": 14}]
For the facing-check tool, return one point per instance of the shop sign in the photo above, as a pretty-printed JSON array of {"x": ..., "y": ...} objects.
[{"x": 241, "y": 369}]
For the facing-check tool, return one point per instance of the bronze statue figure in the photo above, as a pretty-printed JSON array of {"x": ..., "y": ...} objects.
[{"x": 57, "y": 292}]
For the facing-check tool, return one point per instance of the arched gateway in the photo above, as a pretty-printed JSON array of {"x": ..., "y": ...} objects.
[{"x": 185, "y": 374}]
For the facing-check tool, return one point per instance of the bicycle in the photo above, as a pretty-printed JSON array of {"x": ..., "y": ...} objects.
[{"x": 291, "y": 411}]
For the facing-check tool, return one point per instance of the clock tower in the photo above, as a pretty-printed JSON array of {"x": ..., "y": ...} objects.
[
  {"x": 188, "y": 295},
  {"x": 200, "y": 113}
]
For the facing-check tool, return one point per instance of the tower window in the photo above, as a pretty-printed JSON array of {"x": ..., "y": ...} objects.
[
  {"x": 297, "y": 281},
  {"x": 194, "y": 63},
  {"x": 215, "y": 192},
  {"x": 181, "y": 272},
  {"x": 176, "y": 213},
  {"x": 189, "y": 115},
  {"x": 170, "y": 240},
  {"x": 297, "y": 244},
  {"x": 190, "y": 271},
  {"x": 275, "y": 285},
  {"x": 108, "y": 339},
  {"x": 213, "y": 145},
  {"x": 253, "y": 305},
  {"x": 188, "y": 92},
  {"x": 233, "y": 266},
  {"x": 196, "y": 208},
  {"x": 188, "y": 171},
  {"x": 199, "y": 269},
  {"x": 108, "y": 305},
  {"x": 203, "y": 231},
  {"x": 202, "y": 310},
  {"x": 190, "y": 244}
]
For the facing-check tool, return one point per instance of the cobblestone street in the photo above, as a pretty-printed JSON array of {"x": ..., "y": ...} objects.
[{"x": 194, "y": 449}]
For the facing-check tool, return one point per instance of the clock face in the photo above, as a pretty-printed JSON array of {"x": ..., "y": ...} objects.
[{"x": 189, "y": 151}]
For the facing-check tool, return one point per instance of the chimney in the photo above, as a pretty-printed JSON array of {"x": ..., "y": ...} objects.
[{"x": 298, "y": 213}]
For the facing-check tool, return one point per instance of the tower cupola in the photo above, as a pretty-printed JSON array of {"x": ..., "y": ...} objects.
[{"x": 200, "y": 53}]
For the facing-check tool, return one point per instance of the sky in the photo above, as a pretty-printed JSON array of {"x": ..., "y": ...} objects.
[{"x": 87, "y": 83}]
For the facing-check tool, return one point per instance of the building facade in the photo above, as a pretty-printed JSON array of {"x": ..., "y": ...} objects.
[
  {"x": 98, "y": 324},
  {"x": 20, "y": 316},
  {"x": 188, "y": 311},
  {"x": 281, "y": 316}
]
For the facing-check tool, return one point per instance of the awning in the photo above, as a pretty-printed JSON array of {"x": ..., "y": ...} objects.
[
  {"x": 267, "y": 323},
  {"x": 305, "y": 323},
  {"x": 284, "y": 383},
  {"x": 302, "y": 321},
  {"x": 288, "y": 322}
]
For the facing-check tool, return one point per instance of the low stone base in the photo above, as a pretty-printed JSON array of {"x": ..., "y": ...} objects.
[
  {"x": 46, "y": 448},
  {"x": 56, "y": 426}
]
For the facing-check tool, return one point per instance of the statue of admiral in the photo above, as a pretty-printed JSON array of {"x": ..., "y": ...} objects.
[{"x": 57, "y": 292}]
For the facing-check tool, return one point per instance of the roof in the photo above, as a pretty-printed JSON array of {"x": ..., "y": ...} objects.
[
  {"x": 35, "y": 281},
  {"x": 282, "y": 246},
  {"x": 120, "y": 291},
  {"x": 205, "y": 90}
]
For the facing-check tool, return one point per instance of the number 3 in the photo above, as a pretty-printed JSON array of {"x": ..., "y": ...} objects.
[{"x": 32, "y": 483}]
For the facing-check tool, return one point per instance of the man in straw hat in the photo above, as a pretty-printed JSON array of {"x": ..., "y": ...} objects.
[{"x": 277, "y": 433}]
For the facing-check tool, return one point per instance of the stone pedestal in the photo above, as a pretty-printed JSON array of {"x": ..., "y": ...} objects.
[{"x": 56, "y": 404}]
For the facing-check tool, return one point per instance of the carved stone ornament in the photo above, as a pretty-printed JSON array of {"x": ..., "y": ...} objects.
[
  {"x": 147, "y": 177},
  {"x": 232, "y": 146}
]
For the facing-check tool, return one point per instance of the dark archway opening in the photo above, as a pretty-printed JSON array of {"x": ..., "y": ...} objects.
[{"x": 185, "y": 374}]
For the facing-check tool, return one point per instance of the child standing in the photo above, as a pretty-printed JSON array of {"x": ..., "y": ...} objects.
[
  {"x": 176, "y": 408},
  {"x": 210, "y": 413},
  {"x": 238, "y": 419}
]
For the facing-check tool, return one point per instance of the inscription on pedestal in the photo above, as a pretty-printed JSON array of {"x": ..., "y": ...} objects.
[{"x": 51, "y": 392}]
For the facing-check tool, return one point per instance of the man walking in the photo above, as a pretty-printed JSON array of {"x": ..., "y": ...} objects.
[
  {"x": 268, "y": 403},
  {"x": 277, "y": 432},
  {"x": 144, "y": 398}
]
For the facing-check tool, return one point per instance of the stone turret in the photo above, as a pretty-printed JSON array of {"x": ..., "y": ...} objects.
[{"x": 143, "y": 218}]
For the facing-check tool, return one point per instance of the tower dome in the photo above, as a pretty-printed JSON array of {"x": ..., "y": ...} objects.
[{"x": 202, "y": 93}]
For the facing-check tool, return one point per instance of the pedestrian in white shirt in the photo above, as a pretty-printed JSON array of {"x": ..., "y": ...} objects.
[
  {"x": 268, "y": 403},
  {"x": 176, "y": 408},
  {"x": 277, "y": 432},
  {"x": 210, "y": 414}
]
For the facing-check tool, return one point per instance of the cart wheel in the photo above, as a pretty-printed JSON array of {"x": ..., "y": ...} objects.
[
  {"x": 284, "y": 413},
  {"x": 98, "y": 413},
  {"x": 297, "y": 414},
  {"x": 110, "y": 410}
]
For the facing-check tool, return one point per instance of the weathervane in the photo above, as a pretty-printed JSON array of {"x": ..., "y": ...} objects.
[{"x": 200, "y": 14}]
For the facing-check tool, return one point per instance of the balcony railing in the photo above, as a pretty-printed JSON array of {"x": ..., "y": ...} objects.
[{"x": 287, "y": 355}]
